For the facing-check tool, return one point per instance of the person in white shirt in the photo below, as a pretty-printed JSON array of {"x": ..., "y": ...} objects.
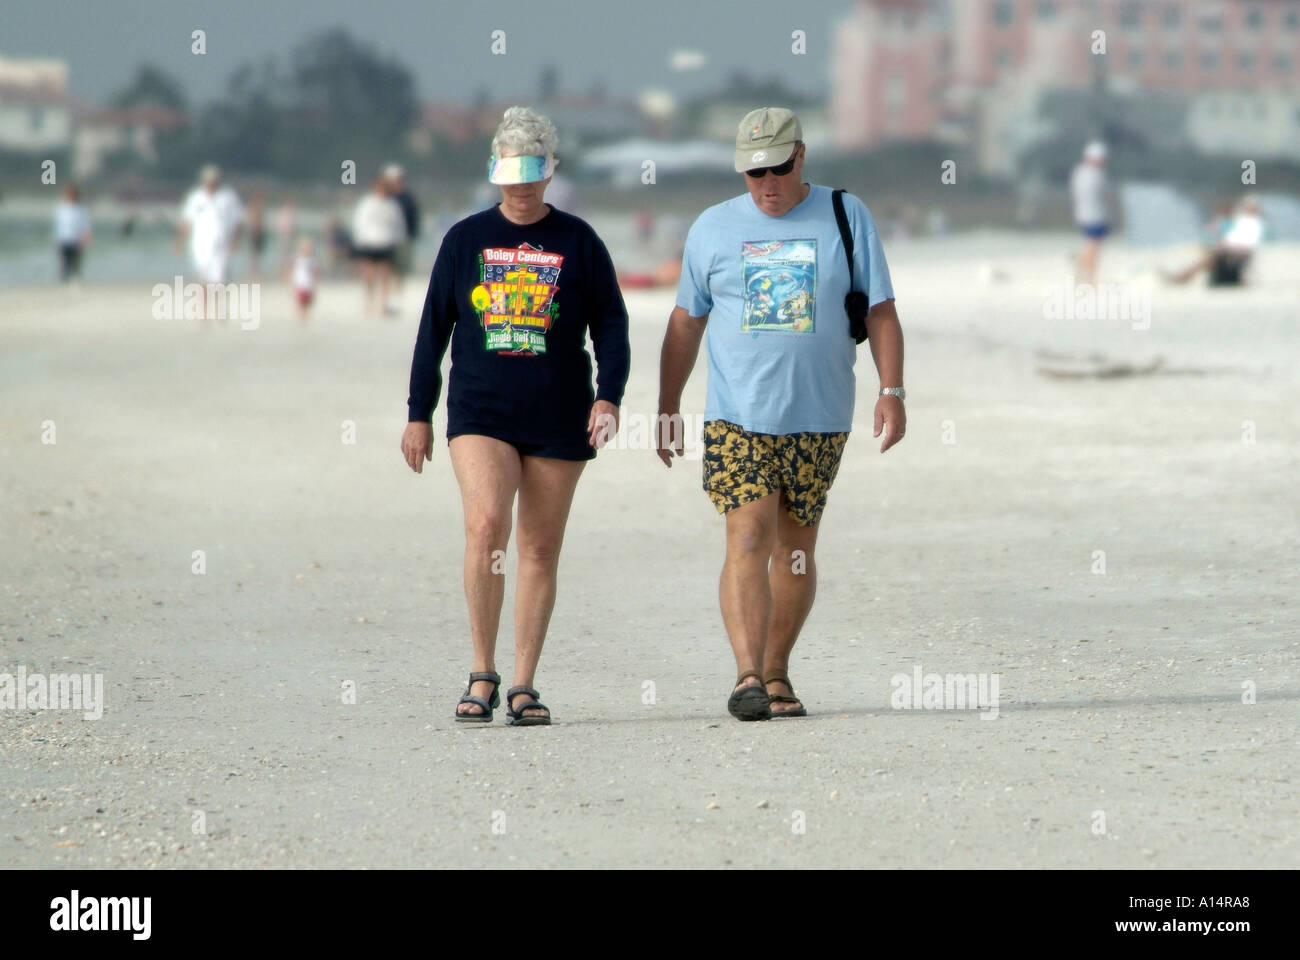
[
  {"x": 378, "y": 226},
  {"x": 1228, "y": 258},
  {"x": 212, "y": 218},
  {"x": 306, "y": 270},
  {"x": 71, "y": 234},
  {"x": 1089, "y": 191}
]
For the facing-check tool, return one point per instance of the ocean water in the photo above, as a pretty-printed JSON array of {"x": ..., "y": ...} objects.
[{"x": 991, "y": 288}]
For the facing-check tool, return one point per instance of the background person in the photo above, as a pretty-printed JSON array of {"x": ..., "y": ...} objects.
[
  {"x": 212, "y": 218},
  {"x": 377, "y": 228},
  {"x": 1090, "y": 194},
  {"x": 256, "y": 233},
  {"x": 306, "y": 272},
  {"x": 1227, "y": 260},
  {"x": 71, "y": 233},
  {"x": 402, "y": 256}
]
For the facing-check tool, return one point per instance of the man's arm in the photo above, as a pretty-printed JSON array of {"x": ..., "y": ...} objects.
[
  {"x": 886, "y": 338},
  {"x": 676, "y": 360}
]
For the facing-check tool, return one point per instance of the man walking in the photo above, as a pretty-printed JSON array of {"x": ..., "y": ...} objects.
[
  {"x": 213, "y": 219},
  {"x": 404, "y": 254},
  {"x": 765, "y": 275},
  {"x": 1090, "y": 193}
]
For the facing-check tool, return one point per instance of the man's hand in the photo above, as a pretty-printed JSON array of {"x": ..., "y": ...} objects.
[
  {"x": 670, "y": 436},
  {"x": 892, "y": 418},
  {"x": 417, "y": 444},
  {"x": 602, "y": 425}
]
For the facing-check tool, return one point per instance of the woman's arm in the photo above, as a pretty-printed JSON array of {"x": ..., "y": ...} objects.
[
  {"x": 607, "y": 321},
  {"x": 436, "y": 323}
]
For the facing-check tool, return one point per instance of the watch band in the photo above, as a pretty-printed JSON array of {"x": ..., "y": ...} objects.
[{"x": 893, "y": 392}]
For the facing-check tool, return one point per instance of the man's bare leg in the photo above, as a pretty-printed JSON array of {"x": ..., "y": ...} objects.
[
  {"x": 383, "y": 270},
  {"x": 1088, "y": 261},
  {"x": 744, "y": 592},
  {"x": 545, "y": 494},
  {"x": 792, "y": 576},
  {"x": 368, "y": 282},
  {"x": 488, "y": 472},
  {"x": 1183, "y": 276}
]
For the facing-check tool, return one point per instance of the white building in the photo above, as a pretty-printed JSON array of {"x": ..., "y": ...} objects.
[
  {"x": 1253, "y": 125},
  {"x": 36, "y": 111}
]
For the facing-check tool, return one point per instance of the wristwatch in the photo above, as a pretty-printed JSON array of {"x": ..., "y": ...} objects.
[{"x": 893, "y": 392}]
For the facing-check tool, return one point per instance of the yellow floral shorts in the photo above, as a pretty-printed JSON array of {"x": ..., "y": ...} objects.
[{"x": 740, "y": 467}]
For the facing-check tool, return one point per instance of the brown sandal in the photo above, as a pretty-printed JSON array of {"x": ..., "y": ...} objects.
[
  {"x": 777, "y": 698},
  {"x": 749, "y": 702}
]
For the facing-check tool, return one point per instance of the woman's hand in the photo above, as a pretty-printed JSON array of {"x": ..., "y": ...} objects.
[
  {"x": 417, "y": 444},
  {"x": 602, "y": 425}
]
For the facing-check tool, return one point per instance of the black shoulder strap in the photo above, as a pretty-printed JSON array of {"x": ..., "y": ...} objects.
[{"x": 846, "y": 233}]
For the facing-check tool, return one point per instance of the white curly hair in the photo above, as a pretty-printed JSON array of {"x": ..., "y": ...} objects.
[{"x": 523, "y": 132}]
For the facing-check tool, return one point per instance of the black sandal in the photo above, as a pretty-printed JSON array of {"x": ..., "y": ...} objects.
[
  {"x": 488, "y": 705},
  {"x": 517, "y": 718},
  {"x": 749, "y": 702},
  {"x": 777, "y": 698}
]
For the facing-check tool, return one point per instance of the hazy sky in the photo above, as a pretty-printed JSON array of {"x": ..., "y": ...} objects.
[{"x": 624, "y": 43}]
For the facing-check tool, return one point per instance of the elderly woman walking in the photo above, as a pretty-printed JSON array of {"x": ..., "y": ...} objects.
[{"x": 515, "y": 290}]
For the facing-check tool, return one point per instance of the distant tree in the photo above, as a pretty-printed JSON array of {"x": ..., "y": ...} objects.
[
  {"x": 243, "y": 130},
  {"x": 347, "y": 103},
  {"x": 548, "y": 84},
  {"x": 150, "y": 87}
]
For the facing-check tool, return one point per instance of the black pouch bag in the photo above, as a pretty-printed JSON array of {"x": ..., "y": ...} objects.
[{"x": 855, "y": 301}]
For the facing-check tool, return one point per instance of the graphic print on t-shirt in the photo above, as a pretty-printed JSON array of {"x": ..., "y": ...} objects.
[
  {"x": 779, "y": 282},
  {"x": 515, "y": 297}
]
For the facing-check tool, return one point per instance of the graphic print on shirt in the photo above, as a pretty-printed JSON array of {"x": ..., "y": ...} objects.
[
  {"x": 515, "y": 298},
  {"x": 778, "y": 279}
]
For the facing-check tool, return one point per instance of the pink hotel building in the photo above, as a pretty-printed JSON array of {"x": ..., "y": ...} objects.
[{"x": 928, "y": 69}]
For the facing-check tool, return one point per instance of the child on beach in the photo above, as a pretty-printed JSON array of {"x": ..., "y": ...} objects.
[
  {"x": 71, "y": 234},
  {"x": 305, "y": 273}
]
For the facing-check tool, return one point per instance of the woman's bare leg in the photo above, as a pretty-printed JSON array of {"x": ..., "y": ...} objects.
[
  {"x": 545, "y": 494},
  {"x": 488, "y": 472}
]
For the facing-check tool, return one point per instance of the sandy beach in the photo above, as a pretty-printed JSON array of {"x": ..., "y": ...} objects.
[{"x": 971, "y": 548}]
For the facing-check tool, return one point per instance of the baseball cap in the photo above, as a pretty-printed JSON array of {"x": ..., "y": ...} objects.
[
  {"x": 766, "y": 138},
  {"x": 209, "y": 173}
]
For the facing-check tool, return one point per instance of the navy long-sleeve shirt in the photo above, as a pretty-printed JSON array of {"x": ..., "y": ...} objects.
[{"x": 516, "y": 303}]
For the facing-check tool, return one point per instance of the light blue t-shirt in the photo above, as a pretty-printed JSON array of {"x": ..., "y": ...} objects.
[
  {"x": 780, "y": 355},
  {"x": 71, "y": 223}
]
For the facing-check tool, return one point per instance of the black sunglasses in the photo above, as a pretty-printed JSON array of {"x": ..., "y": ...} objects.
[{"x": 781, "y": 169}]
